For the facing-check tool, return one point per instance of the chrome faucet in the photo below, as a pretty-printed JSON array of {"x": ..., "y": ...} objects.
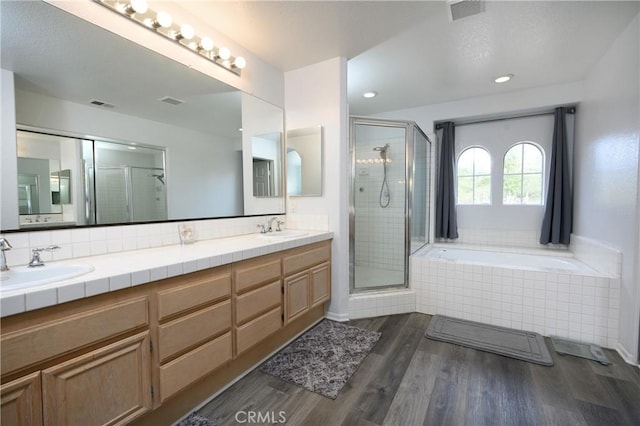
[
  {"x": 4, "y": 246},
  {"x": 35, "y": 255},
  {"x": 270, "y": 224}
]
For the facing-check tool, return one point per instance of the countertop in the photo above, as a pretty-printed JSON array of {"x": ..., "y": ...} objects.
[{"x": 131, "y": 268}]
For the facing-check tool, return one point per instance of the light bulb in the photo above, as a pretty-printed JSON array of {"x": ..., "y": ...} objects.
[
  {"x": 139, "y": 6},
  {"x": 240, "y": 62},
  {"x": 206, "y": 43},
  {"x": 186, "y": 32},
  {"x": 163, "y": 19},
  {"x": 224, "y": 53}
]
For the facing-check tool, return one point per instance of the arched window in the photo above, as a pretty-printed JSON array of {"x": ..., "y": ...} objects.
[
  {"x": 474, "y": 176},
  {"x": 523, "y": 166}
]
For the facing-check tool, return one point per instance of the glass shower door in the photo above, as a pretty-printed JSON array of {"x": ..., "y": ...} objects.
[{"x": 378, "y": 233}]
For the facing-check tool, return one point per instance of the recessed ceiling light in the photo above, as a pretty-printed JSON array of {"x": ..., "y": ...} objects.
[
  {"x": 503, "y": 78},
  {"x": 370, "y": 94}
]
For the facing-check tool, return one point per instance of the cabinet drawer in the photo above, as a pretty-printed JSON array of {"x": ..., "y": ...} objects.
[
  {"x": 254, "y": 331},
  {"x": 39, "y": 343},
  {"x": 199, "y": 290},
  {"x": 301, "y": 261},
  {"x": 188, "y": 331},
  {"x": 258, "y": 301},
  {"x": 22, "y": 401},
  {"x": 111, "y": 385},
  {"x": 253, "y": 273},
  {"x": 193, "y": 365}
]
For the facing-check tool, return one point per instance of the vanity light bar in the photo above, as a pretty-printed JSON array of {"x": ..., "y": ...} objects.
[{"x": 161, "y": 23}]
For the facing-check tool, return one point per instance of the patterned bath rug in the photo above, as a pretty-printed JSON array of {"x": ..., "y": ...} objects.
[
  {"x": 195, "y": 419},
  {"x": 324, "y": 358}
]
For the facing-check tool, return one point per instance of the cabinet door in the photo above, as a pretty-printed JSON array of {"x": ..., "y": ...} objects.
[
  {"x": 320, "y": 284},
  {"x": 296, "y": 296},
  {"x": 109, "y": 386},
  {"x": 22, "y": 401}
]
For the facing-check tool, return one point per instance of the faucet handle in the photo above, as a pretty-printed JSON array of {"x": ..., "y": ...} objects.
[
  {"x": 278, "y": 223},
  {"x": 263, "y": 229},
  {"x": 36, "y": 260}
]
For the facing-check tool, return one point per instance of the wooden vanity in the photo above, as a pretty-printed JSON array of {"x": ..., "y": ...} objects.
[{"x": 149, "y": 354}]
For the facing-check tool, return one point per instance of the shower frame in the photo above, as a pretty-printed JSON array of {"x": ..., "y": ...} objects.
[{"x": 409, "y": 127}]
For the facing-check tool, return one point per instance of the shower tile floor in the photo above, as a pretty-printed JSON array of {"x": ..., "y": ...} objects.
[{"x": 366, "y": 276}]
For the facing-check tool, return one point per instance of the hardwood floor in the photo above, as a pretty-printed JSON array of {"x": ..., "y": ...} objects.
[{"x": 410, "y": 380}]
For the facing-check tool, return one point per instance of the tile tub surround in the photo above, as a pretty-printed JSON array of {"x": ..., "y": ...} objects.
[
  {"x": 581, "y": 306},
  {"x": 122, "y": 270}
]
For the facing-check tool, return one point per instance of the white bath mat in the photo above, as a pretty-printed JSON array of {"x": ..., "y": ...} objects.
[{"x": 519, "y": 344}]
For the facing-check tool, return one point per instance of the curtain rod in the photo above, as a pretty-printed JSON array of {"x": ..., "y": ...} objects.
[{"x": 570, "y": 110}]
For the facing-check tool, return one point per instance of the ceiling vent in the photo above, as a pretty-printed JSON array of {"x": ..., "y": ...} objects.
[
  {"x": 102, "y": 104},
  {"x": 459, "y": 9},
  {"x": 172, "y": 101}
]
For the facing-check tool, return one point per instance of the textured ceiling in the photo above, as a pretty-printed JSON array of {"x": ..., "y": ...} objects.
[{"x": 411, "y": 54}]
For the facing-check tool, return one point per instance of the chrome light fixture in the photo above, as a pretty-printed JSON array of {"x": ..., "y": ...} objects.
[{"x": 161, "y": 23}]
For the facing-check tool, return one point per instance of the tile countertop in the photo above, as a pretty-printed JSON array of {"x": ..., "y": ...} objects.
[{"x": 127, "y": 269}]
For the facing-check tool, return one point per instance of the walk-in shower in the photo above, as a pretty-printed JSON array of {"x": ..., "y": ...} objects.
[{"x": 389, "y": 201}]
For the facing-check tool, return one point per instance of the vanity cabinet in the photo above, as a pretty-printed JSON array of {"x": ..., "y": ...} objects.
[
  {"x": 194, "y": 328},
  {"x": 258, "y": 300},
  {"x": 149, "y": 353},
  {"x": 307, "y": 279},
  {"x": 80, "y": 364}
]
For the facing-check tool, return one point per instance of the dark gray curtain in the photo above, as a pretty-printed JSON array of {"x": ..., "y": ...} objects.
[
  {"x": 558, "y": 213},
  {"x": 446, "y": 218}
]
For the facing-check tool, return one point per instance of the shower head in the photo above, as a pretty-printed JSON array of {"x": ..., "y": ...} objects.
[{"x": 382, "y": 150}]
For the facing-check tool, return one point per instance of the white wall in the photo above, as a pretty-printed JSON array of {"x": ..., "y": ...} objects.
[
  {"x": 317, "y": 96},
  {"x": 606, "y": 168},
  {"x": 8, "y": 155},
  {"x": 497, "y": 137}
]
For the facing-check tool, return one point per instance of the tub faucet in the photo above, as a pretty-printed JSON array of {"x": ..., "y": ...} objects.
[
  {"x": 4, "y": 246},
  {"x": 35, "y": 255}
]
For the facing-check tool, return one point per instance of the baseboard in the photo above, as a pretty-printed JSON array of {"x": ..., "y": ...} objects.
[
  {"x": 626, "y": 355},
  {"x": 337, "y": 317}
]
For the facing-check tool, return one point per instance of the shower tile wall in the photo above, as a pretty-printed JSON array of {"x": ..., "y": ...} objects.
[{"x": 377, "y": 242}]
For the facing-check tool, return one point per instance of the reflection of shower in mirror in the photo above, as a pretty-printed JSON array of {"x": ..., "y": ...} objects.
[{"x": 160, "y": 177}]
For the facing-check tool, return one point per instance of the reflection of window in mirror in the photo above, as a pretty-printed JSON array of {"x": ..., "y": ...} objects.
[{"x": 304, "y": 162}]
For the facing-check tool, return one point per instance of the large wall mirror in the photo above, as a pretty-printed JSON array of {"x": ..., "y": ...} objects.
[
  {"x": 304, "y": 162},
  {"x": 114, "y": 111}
]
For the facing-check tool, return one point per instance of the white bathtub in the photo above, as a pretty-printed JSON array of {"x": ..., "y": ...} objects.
[
  {"x": 510, "y": 260},
  {"x": 550, "y": 293}
]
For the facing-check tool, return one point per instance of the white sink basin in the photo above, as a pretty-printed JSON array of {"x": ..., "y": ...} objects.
[
  {"x": 287, "y": 233},
  {"x": 24, "y": 276}
]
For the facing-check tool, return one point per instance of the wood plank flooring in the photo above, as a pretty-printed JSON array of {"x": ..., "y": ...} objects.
[{"x": 409, "y": 380}]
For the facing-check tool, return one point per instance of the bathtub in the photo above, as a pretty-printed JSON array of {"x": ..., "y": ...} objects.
[
  {"x": 552, "y": 294},
  {"x": 525, "y": 261}
]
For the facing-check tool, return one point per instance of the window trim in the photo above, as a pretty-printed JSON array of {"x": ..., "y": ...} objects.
[
  {"x": 474, "y": 176},
  {"x": 522, "y": 174}
]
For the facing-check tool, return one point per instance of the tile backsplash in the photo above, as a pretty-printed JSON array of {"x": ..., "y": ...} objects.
[{"x": 93, "y": 241}]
